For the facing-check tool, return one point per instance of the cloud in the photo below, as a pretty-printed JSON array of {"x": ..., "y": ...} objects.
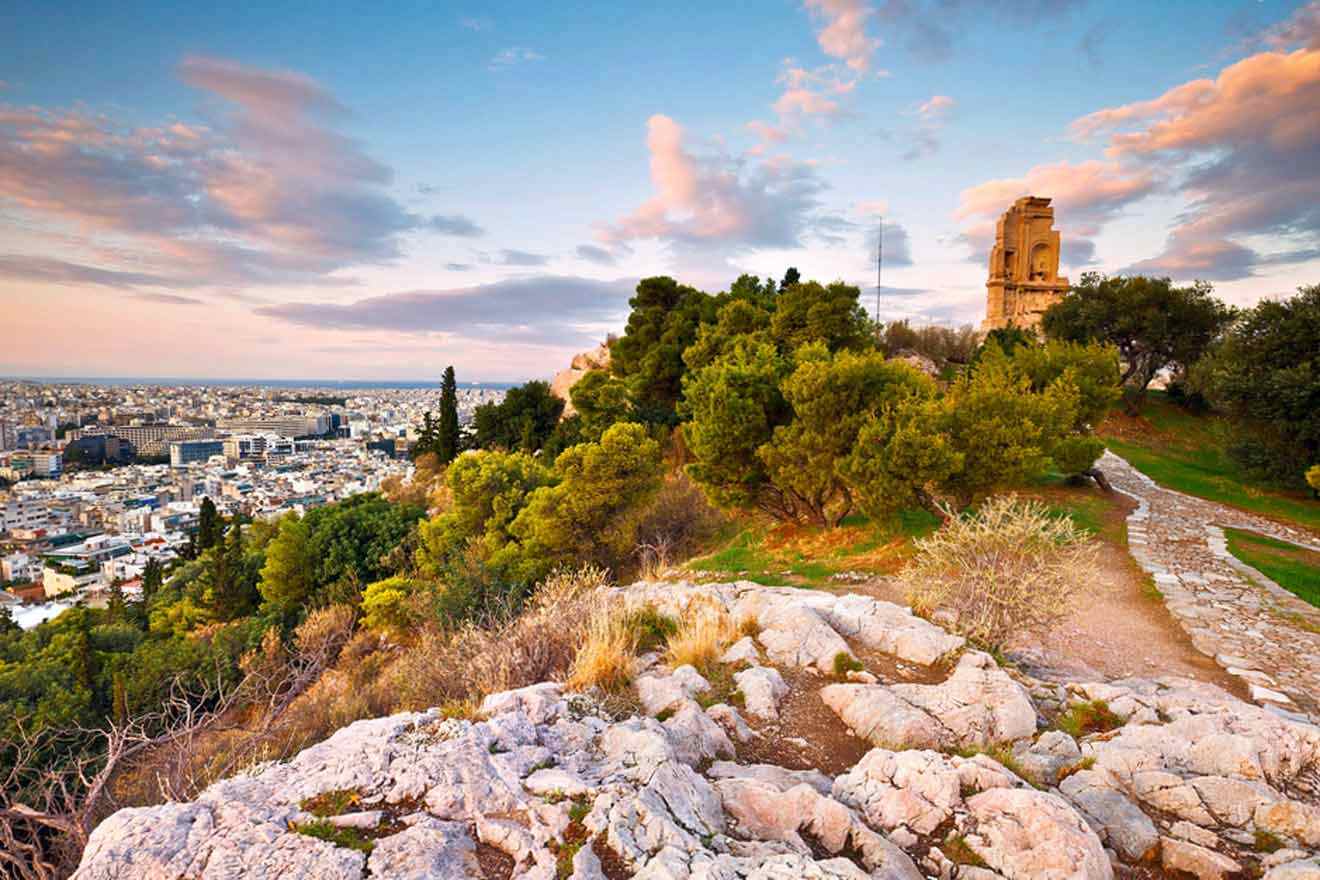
[
  {"x": 1086, "y": 196},
  {"x": 926, "y": 28},
  {"x": 514, "y": 56},
  {"x": 844, "y": 33},
  {"x": 475, "y": 23},
  {"x": 455, "y": 224},
  {"x": 1302, "y": 28},
  {"x": 266, "y": 192},
  {"x": 1243, "y": 149},
  {"x": 549, "y": 309},
  {"x": 897, "y": 247},
  {"x": 936, "y": 108},
  {"x": 458, "y": 267},
  {"x": 715, "y": 202},
  {"x": 168, "y": 299},
  {"x": 48, "y": 270},
  {"x": 512, "y": 257},
  {"x": 597, "y": 255},
  {"x": 872, "y": 208}
]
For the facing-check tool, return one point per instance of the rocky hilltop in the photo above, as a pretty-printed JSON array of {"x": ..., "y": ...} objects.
[{"x": 841, "y": 737}]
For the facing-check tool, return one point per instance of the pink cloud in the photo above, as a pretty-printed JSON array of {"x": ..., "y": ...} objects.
[
  {"x": 844, "y": 34},
  {"x": 717, "y": 201}
]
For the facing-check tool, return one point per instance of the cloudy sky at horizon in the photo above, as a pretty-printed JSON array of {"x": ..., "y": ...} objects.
[{"x": 341, "y": 191}]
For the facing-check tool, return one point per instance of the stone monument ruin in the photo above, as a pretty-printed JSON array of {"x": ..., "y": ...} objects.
[{"x": 1024, "y": 266}]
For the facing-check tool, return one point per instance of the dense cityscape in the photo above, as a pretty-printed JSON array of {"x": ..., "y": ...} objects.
[{"x": 97, "y": 480}]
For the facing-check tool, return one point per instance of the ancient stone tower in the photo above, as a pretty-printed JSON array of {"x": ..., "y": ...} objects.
[{"x": 1024, "y": 266}]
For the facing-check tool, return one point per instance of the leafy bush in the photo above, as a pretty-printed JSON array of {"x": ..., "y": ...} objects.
[{"x": 1009, "y": 568}]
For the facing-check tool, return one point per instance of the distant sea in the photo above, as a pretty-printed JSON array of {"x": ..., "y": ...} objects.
[{"x": 343, "y": 384}]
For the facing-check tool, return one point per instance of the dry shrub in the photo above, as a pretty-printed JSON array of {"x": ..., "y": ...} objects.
[
  {"x": 678, "y": 522},
  {"x": 704, "y": 631},
  {"x": 605, "y": 660},
  {"x": 472, "y": 661},
  {"x": 1010, "y": 568}
]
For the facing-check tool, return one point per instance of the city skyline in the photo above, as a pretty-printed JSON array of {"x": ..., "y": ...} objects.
[{"x": 231, "y": 194}]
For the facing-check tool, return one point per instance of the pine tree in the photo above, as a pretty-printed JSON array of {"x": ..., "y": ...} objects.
[
  {"x": 116, "y": 607},
  {"x": 119, "y": 710},
  {"x": 446, "y": 446}
]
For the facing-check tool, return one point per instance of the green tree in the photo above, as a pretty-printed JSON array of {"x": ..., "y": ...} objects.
[
  {"x": 663, "y": 322},
  {"x": 153, "y": 576},
  {"x": 810, "y": 312},
  {"x": 590, "y": 514},
  {"x": 831, "y": 397},
  {"x": 791, "y": 277},
  {"x": 732, "y": 407},
  {"x": 1153, "y": 324},
  {"x": 1265, "y": 374},
  {"x": 210, "y": 526},
  {"x": 524, "y": 419},
  {"x": 447, "y": 434},
  {"x": 487, "y": 490},
  {"x": 287, "y": 578},
  {"x": 737, "y": 320},
  {"x": 601, "y": 400}
]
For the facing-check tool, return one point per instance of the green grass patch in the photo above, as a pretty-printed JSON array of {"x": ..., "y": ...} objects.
[
  {"x": 349, "y": 838},
  {"x": 778, "y": 555},
  {"x": 1294, "y": 568},
  {"x": 1081, "y": 719},
  {"x": 845, "y": 663},
  {"x": 332, "y": 803},
  {"x": 1186, "y": 452},
  {"x": 650, "y": 627}
]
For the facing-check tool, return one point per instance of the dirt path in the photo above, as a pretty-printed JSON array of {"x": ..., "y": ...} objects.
[{"x": 1257, "y": 631}]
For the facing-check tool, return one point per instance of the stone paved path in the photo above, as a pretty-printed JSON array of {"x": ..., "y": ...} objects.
[{"x": 1253, "y": 628}]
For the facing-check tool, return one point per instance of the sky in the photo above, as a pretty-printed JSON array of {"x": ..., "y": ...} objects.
[{"x": 369, "y": 191}]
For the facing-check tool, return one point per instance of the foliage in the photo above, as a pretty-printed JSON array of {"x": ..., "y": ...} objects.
[
  {"x": 286, "y": 578},
  {"x": 601, "y": 399},
  {"x": 1008, "y": 569},
  {"x": 1265, "y": 373},
  {"x": 210, "y": 526},
  {"x": 1092, "y": 716},
  {"x": 943, "y": 345},
  {"x": 1153, "y": 324},
  {"x": 523, "y": 420},
  {"x": 649, "y": 356},
  {"x": 1313, "y": 478},
  {"x": 832, "y": 397},
  {"x": 385, "y": 606},
  {"x": 733, "y": 406},
  {"x": 439, "y": 437},
  {"x": 811, "y": 312},
  {"x": 591, "y": 512},
  {"x": 324, "y": 829}
]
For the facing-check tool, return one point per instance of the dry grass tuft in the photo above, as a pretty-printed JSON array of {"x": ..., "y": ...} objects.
[
  {"x": 605, "y": 660},
  {"x": 1009, "y": 568},
  {"x": 705, "y": 630}
]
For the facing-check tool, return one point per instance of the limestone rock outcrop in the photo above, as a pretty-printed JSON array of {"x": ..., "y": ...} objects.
[
  {"x": 963, "y": 775},
  {"x": 596, "y": 359}
]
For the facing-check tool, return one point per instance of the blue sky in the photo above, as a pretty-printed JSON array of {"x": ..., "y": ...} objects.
[{"x": 374, "y": 191}]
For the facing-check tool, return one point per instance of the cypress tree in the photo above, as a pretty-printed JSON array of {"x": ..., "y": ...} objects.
[{"x": 446, "y": 447}]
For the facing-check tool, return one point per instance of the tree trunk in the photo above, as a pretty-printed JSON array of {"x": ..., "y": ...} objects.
[{"x": 1100, "y": 479}]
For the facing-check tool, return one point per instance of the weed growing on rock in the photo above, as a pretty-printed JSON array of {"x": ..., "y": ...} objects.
[
  {"x": 957, "y": 850},
  {"x": 650, "y": 627},
  {"x": 349, "y": 838},
  {"x": 1082, "y": 719},
  {"x": 332, "y": 803},
  {"x": 845, "y": 663}
]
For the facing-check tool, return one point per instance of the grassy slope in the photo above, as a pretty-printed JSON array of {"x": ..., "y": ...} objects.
[
  {"x": 1293, "y": 568},
  {"x": 1186, "y": 452},
  {"x": 804, "y": 556}
]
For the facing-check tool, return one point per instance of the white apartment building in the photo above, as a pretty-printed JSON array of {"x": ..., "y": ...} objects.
[
  {"x": 23, "y": 513},
  {"x": 18, "y": 567}
]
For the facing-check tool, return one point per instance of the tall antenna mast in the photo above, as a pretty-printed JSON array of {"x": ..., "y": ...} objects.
[{"x": 879, "y": 268}]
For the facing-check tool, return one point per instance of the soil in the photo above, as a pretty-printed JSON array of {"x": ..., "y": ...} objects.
[
  {"x": 495, "y": 865},
  {"x": 807, "y": 736},
  {"x": 1120, "y": 628}
]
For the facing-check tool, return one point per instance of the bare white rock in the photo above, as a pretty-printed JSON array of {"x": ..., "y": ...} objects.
[
  {"x": 762, "y": 688},
  {"x": 978, "y": 705},
  {"x": 795, "y": 635},
  {"x": 427, "y": 850},
  {"x": 892, "y": 629},
  {"x": 1032, "y": 835}
]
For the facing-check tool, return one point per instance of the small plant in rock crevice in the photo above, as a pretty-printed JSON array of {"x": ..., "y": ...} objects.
[
  {"x": 349, "y": 838},
  {"x": 845, "y": 663},
  {"x": 1083, "y": 719}
]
